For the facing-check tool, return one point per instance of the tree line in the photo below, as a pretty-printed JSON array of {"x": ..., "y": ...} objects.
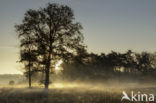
[{"x": 91, "y": 65}]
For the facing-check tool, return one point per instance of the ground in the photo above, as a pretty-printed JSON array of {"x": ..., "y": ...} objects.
[{"x": 69, "y": 94}]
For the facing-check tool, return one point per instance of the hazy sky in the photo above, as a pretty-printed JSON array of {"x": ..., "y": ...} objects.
[{"x": 108, "y": 25}]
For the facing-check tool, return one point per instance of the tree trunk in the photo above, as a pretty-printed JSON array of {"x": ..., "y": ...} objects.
[
  {"x": 47, "y": 78},
  {"x": 29, "y": 68},
  {"x": 29, "y": 77},
  {"x": 47, "y": 73},
  {"x": 49, "y": 60}
]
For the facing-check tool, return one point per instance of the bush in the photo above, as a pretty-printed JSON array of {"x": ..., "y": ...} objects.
[{"x": 11, "y": 82}]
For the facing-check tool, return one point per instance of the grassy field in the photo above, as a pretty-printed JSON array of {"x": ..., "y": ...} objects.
[{"x": 69, "y": 94}]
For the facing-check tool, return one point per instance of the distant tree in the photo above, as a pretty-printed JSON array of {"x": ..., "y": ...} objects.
[
  {"x": 55, "y": 33},
  {"x": 128, "y": 61},
  {"x": 144, "y": 64},
  {"x": 112, "y": 61},
  {"x": 153, "y": 60}
]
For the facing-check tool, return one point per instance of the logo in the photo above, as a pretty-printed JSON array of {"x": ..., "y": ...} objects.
[{"x": 137, "y": 97}]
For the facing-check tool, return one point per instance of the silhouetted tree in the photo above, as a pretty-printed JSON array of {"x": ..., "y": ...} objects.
[
  {"x": 55, "y": 32},
  {"x": 27, "y": 55},
  {"x": 144, "y": 64}
]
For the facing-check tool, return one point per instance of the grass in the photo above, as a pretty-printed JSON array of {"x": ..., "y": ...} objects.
[{"x": 68, "y": 94}]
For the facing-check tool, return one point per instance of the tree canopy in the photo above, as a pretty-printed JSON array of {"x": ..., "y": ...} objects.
[{"x": 53, "y": 33}]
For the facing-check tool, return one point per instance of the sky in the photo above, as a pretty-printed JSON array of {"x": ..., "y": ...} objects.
[{"x": 108, "y": 25}]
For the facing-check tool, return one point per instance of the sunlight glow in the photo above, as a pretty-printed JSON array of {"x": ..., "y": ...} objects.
[{"x": 57, "y": 67}]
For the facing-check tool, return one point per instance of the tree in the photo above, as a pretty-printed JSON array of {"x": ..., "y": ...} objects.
[
  {"x": 55, "y": 32},
  {"x": 27, "y": 55},
  {"x": 144, "y": 64}
]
